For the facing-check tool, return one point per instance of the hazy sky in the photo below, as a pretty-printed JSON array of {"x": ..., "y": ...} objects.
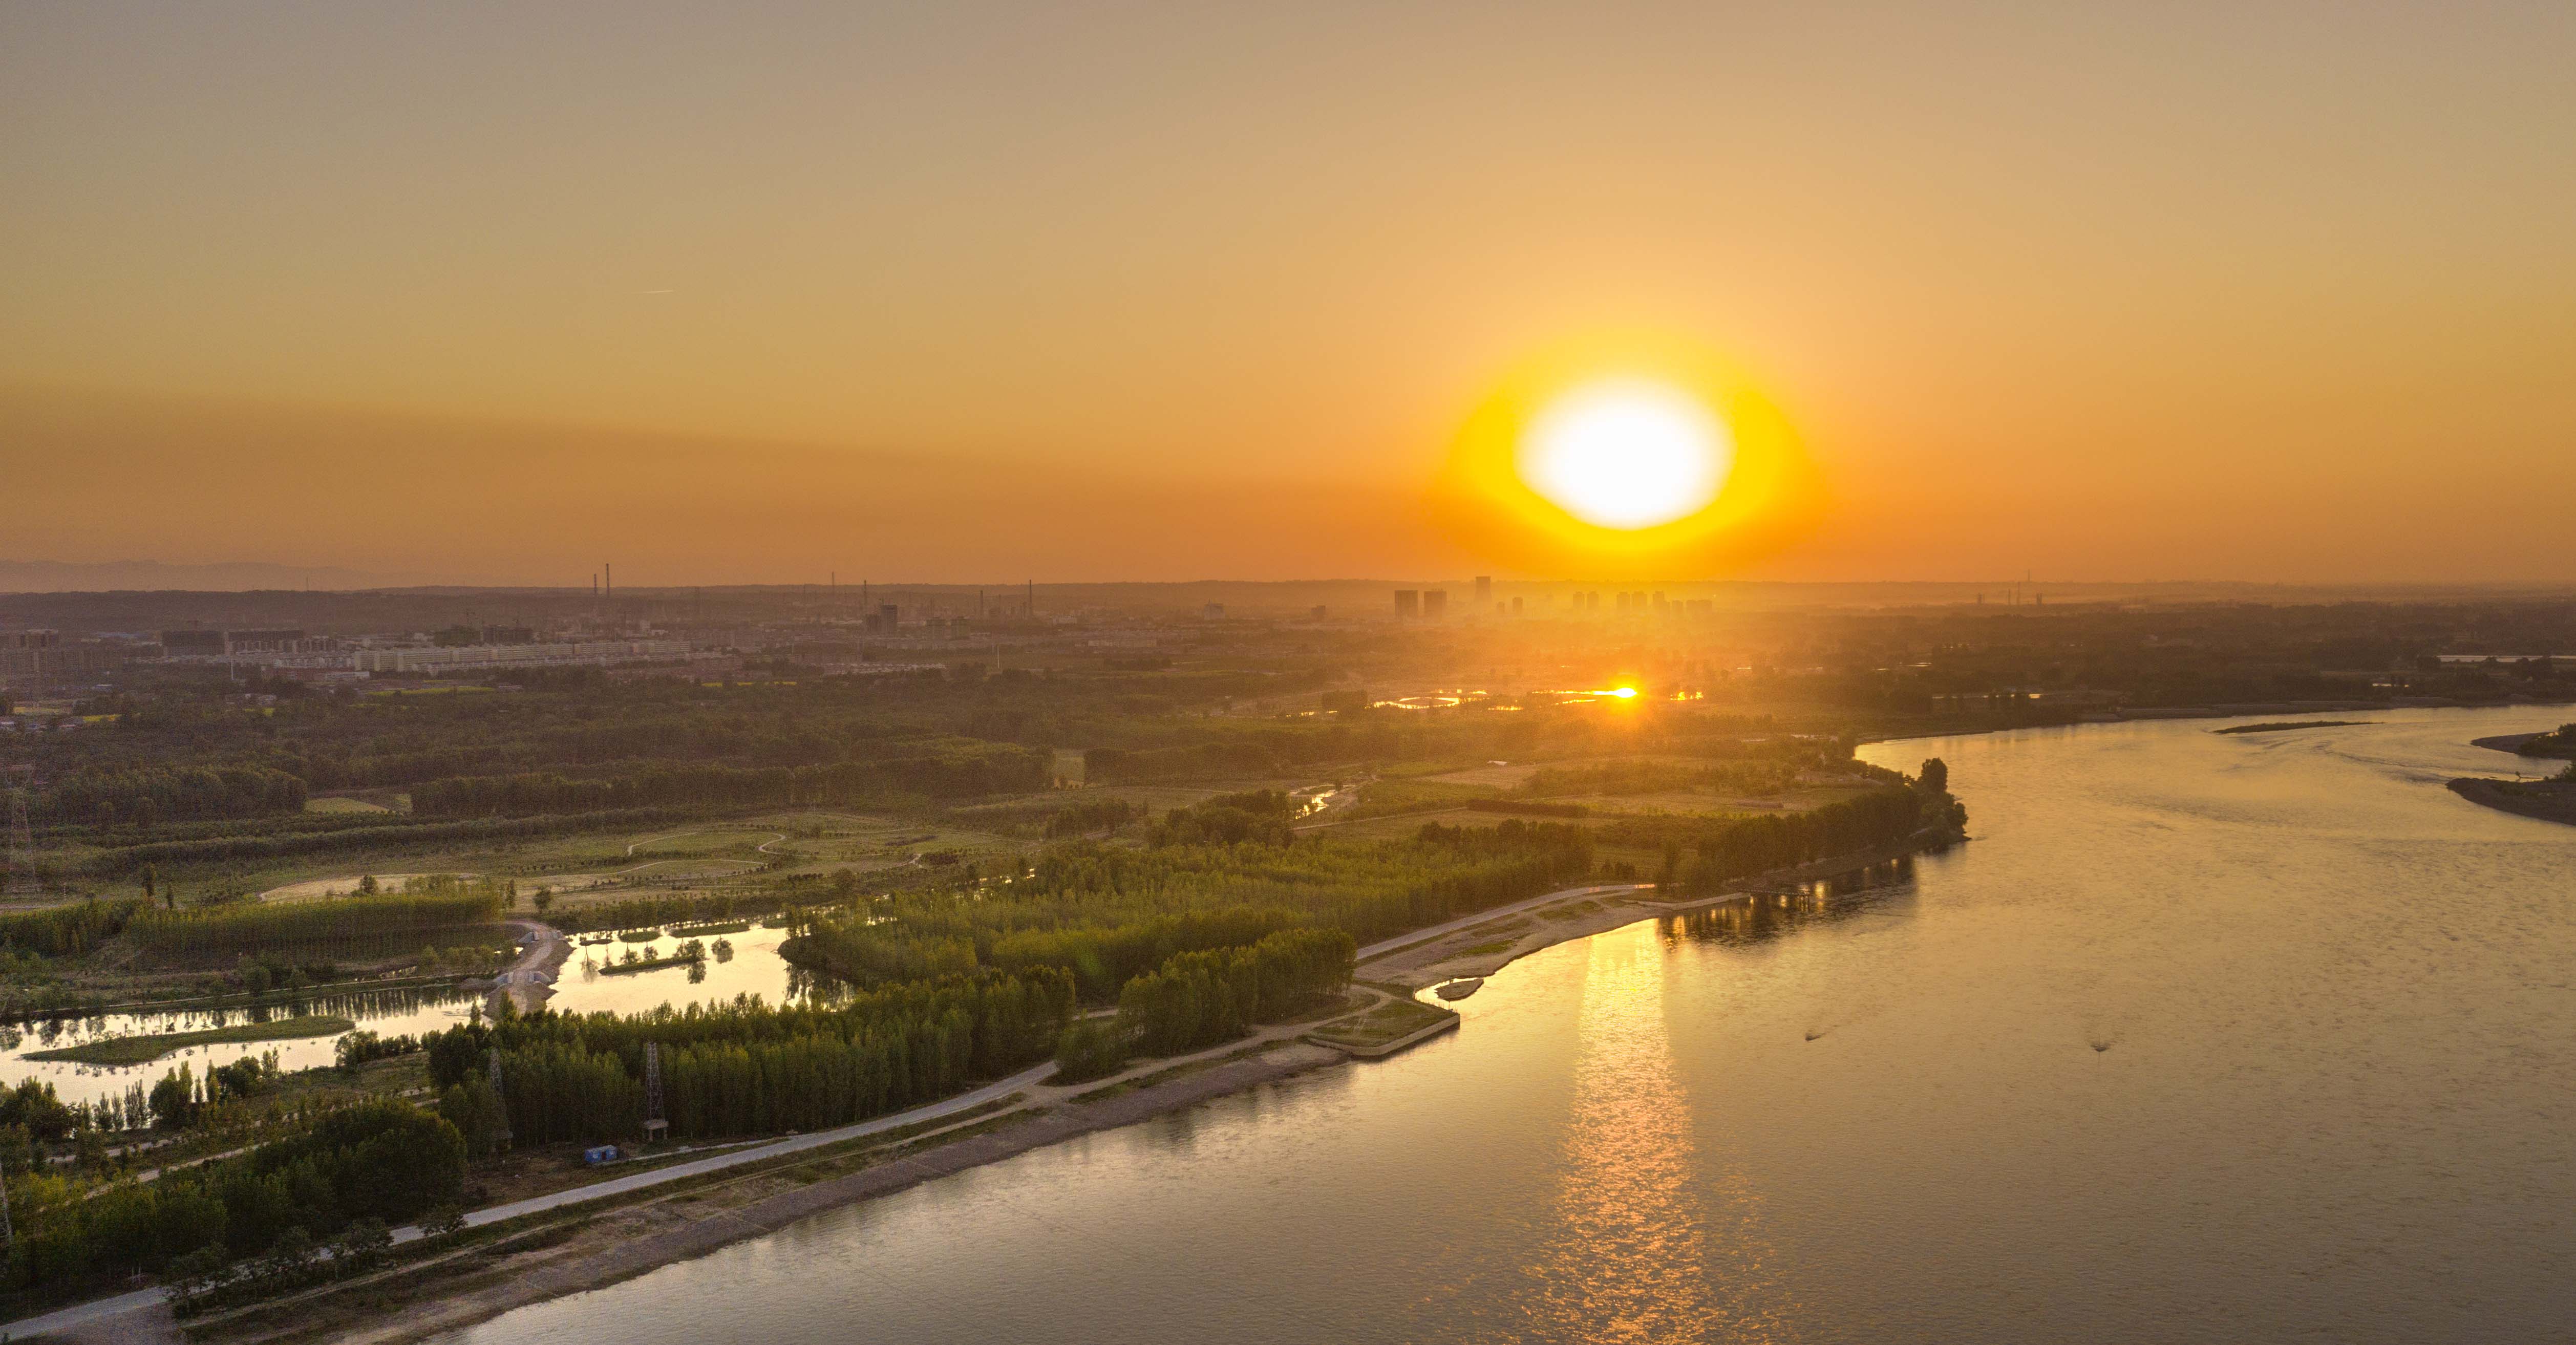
[{"x": 963, "y": 291}]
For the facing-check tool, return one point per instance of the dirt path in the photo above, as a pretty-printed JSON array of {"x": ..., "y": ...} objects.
[{"x": 529, "y": 981}]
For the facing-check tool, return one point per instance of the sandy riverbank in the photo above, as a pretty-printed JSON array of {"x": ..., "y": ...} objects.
[{"x": 631, "y": 1241}]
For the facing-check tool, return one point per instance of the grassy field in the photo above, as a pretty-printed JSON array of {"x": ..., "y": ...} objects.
[
  {"x": 1391, "y": 1021},
  {"x": 139, "y": 1050},
  {"x": 336, "y": 804}
]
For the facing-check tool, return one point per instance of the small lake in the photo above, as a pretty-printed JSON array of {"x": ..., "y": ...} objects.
[{"x": 754, "y": 969}]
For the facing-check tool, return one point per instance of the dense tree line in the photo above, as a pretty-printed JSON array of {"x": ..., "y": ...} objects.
[
  {"x": 748, "y": 1068},
  {"x": 1102, "y": 958},
  {"x": 1105, "y": 913},
  {"x": 986, "y": 769},
  {"x": 66, "y": 931},
  {"x": 1200, "y": 999},
  {"x": 142, "y": 795},
  {"x": 435, "y": 910},
  {"x": 1198, "y": 761},
  {"x": 382, "y": 1160},
  {"x": 34, "y": 1108},
  {"x": 368, "y": 837},
  {"x": 1528, "y": 808},
  {"x": 1260, "y": 817},
  {"x": 641, "y": 912},
  {"x": 1089, "y": 816},
  {"x": 1712, "y": 852},
  {"x": 1654, "y": 777}
]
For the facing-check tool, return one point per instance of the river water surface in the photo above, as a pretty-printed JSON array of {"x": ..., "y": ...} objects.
[{"x": 2203, "y": 1038}]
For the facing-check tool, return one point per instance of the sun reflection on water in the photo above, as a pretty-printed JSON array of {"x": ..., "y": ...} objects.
[{"x": 1659, "y": 1241}]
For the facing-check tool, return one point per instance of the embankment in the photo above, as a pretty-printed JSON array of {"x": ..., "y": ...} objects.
[{"x": 609, "y": 1251}]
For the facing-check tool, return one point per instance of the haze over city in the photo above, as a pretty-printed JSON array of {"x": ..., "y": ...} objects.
[{"x": 481, "y": 293}]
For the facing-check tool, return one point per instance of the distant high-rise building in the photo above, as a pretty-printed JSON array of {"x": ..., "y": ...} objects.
[
  {"x": 1435, "y": 603},
  {"x": 1318, "y": 612},
  {"x": 1484, "y": 591},
  {"x": 1516, "y": 607},
  {"x": 1408, "y": 603}
]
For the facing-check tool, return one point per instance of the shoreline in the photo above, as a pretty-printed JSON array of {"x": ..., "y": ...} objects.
[
  {"x": 1429, "y": 962},
  {"x": 2512, "y": 742},
  {"x": 2151, "y": 714},
  {"x": 603, "y": 1247},
  {"x": 2541, "y": 801},
  {"x": 650, "y": 1249}
]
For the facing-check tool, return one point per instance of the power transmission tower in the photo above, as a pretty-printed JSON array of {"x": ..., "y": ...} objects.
[
  {"x": 655, "y": 1124},
  {"x": 502, "y": 1140},
  {"x": 22, "y": 869}
]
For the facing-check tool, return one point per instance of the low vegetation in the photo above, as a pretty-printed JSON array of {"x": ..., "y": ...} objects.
[
  {"x": 2558, "y": 742},
  {"x": 137, "y": 1050},
  {"x": 748, "y": 1068},
  {"x": 382, "y": 1162},
  {"x": 433, "y": 909}
]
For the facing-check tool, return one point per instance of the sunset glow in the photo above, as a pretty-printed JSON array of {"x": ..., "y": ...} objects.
[{"x": 1626, "y": 453}]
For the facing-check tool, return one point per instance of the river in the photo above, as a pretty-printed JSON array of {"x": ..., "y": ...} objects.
[{"x": 2202, "y": 1038}]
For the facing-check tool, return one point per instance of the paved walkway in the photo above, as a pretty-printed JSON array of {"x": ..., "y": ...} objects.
[
  {"x": 757, "y": 1153},
  {"x": 144, "y": 1300},
  {"x": 1385, "y": 946}
]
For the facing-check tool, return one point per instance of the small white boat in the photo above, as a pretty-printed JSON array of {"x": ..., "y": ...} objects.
[{"x": 1459, "y": 989}]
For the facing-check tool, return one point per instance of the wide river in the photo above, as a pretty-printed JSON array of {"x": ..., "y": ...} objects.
[{"x": 2202, "y": 1038}]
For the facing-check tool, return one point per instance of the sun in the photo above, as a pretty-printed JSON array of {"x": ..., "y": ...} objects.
[
  {"x": 1626, "y": 453},
  {"x": 1630, "y": 454}
]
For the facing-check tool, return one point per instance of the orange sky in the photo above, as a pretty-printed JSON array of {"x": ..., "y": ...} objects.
[{"x": 485, "y": 293}]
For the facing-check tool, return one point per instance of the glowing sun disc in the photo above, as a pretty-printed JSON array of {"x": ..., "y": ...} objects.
[{"x": 1626, "y": 453}]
